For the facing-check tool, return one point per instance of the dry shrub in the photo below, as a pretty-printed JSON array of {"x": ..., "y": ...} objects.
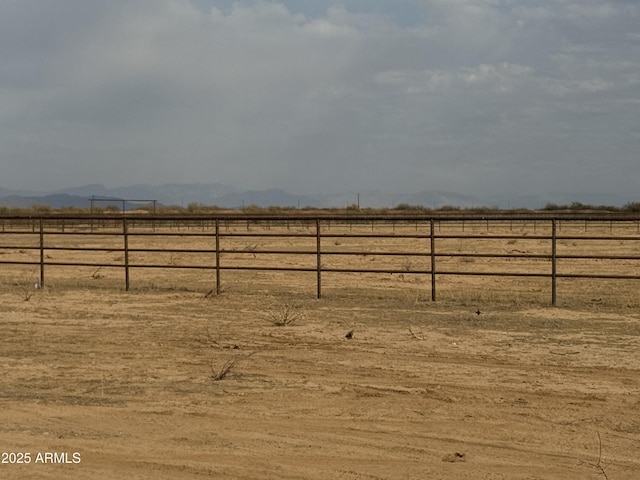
[
  {"x": 217, "y": 375},
  {"x": 27, "y": 285},
  {"x": 285, "y": 314}
]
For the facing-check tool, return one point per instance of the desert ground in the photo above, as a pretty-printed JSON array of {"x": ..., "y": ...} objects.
[{"x": 170, "y": 380}]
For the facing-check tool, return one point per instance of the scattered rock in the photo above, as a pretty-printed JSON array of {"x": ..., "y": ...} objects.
[
  {"x": 454, "y": 457},
  {"x": 349, "y": 335}
]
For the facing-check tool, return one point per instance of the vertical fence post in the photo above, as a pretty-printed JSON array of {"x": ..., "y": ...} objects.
[
  {"x": 433, "y": 261},
  {"x": 318, "y": 260},
  {"x": 41, "y": 254},
  {"x": 126, "y": 253},
  {"x": 217, "y": 257},
  {"x": 553, "y": 262}
]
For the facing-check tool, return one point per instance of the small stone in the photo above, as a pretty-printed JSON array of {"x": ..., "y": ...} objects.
[{"x": 454, "y": 457}]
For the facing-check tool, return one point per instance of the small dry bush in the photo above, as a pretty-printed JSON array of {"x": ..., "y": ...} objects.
[
  {"x": 26, "y": 286},
  {"x": 285, "y": 314},
  {"x": 220, "y": 374}
]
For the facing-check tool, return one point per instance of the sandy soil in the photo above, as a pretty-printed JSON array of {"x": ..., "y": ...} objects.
[
  {"x": 422, "y": 390},
  {"x": 489, "y": 382}
]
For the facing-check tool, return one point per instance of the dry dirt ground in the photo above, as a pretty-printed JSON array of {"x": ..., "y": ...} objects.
[{"x": 474, "y": 386}]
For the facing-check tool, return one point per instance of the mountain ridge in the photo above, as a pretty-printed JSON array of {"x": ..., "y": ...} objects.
[{"x": 225, "y": 196}]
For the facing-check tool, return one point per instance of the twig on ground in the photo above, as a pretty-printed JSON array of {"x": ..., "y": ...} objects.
[
  {"x": 226, "y": 368},
  {"x": 598, "y": 465},
  {"x": 415, "y": 335},
  {"x": 214, "y": 341}
]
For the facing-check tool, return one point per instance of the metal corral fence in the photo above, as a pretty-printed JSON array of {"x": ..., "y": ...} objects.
[{"x": 433, "y": 241}]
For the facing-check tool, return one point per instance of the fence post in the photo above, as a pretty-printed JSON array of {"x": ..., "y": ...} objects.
[
  {"x": 217, "y": 256},
  {"x": 126, "y": 253},
  {"x": 41, "y": 254},
  {"x": 553, "y": 262},
  {"x": 433, "y": 262},
  {"x": 318, "y": 260}
]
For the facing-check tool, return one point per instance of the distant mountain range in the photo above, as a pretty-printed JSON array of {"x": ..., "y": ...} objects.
[{"x": 230, "y": 197}]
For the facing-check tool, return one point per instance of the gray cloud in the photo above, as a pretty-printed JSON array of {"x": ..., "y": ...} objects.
[{"x": 475, "y": 96}]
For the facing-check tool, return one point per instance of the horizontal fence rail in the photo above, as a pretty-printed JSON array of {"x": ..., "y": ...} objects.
[{"x": 431, "y": 239}]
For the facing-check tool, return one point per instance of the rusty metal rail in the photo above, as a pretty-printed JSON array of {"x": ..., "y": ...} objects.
[{"x": 428, "y": 234}]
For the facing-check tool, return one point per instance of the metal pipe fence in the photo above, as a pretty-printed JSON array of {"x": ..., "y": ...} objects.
[{"x": 554, "y": 243}]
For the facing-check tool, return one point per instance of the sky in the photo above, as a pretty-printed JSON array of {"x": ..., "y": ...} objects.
[{"x": 470, "y": 96}]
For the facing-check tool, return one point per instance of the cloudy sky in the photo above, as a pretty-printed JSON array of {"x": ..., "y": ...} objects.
[{"x": 315, "y": 96}]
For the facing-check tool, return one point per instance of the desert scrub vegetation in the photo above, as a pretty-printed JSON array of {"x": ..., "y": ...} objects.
[
  {"x": 196, "y": 208},
  {"x": 284, "y": 315},
  {"x": 26, "y": 285},
  {"x": 218, "y": 374}
]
